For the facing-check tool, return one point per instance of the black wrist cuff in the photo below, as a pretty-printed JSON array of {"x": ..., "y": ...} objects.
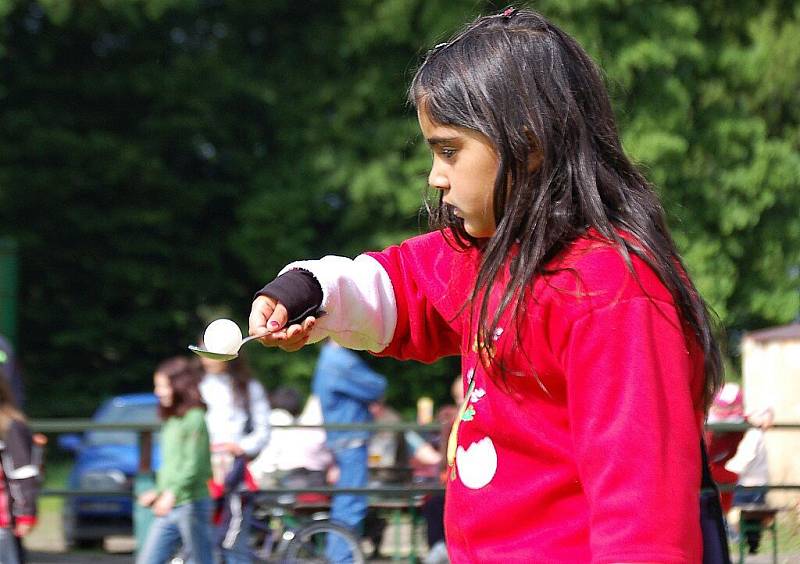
[{"x": 298, "y": 291}]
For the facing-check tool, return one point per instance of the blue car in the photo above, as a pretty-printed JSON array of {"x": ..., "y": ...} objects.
[{"x": 106, "y": 461}]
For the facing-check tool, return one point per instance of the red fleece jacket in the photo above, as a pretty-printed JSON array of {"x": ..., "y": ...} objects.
[{"x": 587, "y": 448}]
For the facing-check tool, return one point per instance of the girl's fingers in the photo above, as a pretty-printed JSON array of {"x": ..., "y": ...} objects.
[
  {"x": 302, "y": 330},
  {"x": 278, "y": 319},
  {"x": 293, "y": 331},
  {"x": 260, "y": 312},
  {"x": 295, "y": 345},
  {"x": 267, "y": 318},
  {"x": 290, "y": 338},
  {"x": 297, "y": 335},
  {"x": 309, "y": 323}
]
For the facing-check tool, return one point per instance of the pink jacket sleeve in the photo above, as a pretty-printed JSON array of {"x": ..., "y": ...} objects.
[{"x": 427, "y": 278}]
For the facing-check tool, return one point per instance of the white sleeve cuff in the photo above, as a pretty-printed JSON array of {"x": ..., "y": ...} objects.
[
  {"x": 23, "y": 472},
  {"x": 358, "y": 299}
]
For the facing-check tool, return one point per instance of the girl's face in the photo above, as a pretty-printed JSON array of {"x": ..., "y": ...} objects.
[
  {"x": 162, "y": 389},
  {"x": 464, "y": 168}
]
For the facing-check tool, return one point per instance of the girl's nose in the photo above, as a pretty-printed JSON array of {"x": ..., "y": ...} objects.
[{"x": 437, "y": 180}]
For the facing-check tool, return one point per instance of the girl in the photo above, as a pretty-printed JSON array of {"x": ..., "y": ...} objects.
[
  {"x": 180, "y": 500},
  {"x": 19, "y": 477},
  {"x": 587, "y": 354},
  {"x": 238, "y": 423}
]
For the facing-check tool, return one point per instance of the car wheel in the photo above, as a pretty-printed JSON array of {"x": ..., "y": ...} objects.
[
  {"x": 87, "y": 544},
  {"x": 71, "y": 528}
]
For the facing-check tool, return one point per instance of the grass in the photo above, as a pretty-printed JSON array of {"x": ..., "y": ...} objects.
[
  {"x": 788, "y": 534},
  {"x": 788, "y": 530},
  {"x": 56, "y": 473}
]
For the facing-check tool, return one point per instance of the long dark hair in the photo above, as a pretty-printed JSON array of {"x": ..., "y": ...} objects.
[
  {"x": 184, "y": 377},
  {"x": 532, "y": 90},
  {"x": 8, "y": 407},
  {"x": 239, "y": 371}
]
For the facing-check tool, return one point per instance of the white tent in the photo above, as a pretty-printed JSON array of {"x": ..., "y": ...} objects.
[{"x": 771, "y": 378}]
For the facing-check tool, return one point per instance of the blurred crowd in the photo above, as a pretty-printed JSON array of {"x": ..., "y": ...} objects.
[{"x": 224, "y": 438}]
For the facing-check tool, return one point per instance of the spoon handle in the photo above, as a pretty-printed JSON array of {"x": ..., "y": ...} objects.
[{"x": 250, "y": 338}]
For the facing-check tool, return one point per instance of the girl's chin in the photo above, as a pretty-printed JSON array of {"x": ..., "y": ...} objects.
[{"x": 477, "y": 233}]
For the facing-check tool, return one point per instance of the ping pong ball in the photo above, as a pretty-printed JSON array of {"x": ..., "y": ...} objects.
[{"x": 223, "y": 336}]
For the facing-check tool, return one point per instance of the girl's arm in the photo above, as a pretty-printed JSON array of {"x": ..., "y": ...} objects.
[
  {"x": 401, "y": 302},
  {"x": 21, "y": 472},
  {"x": 358, "y": 300},
  {"x": 258, "y": 437},
  {"x": 635, "y": 421},
  {"x": 194, "y": 467},
  {"x": 358, "y": 380},
  {"x": 746, "y": 452}
]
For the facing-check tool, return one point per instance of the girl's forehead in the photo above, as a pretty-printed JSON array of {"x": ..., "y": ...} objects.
[
  {"x": 431, "y": 127},
  {"x": 425, "y": 119},
  {"x": 437, "y": 133}
]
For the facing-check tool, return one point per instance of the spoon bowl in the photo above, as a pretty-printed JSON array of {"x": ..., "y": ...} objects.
[{"x": 221, "y": 356}]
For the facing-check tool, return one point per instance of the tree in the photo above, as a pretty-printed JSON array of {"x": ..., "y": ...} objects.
[{"x": 160, "y": 160}]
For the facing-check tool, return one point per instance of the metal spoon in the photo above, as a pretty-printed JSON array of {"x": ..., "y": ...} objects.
[{"x": 221, "y": 356}]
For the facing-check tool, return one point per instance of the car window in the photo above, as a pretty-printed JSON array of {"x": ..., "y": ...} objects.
[{"x": 122, "y": 413}]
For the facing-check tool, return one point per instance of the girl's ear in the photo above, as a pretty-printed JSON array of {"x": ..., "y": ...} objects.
[
  {"x": 535, "y": 159},
  {"x": 536, "y": 156}
]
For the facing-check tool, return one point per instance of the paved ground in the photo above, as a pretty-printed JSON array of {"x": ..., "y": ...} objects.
[
  {"x": 78, "y": 558},
  {"x": 105, "y": 558},
  {"x": 46, "y": 546}
]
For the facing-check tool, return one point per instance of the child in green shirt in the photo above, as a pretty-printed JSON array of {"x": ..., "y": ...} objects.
[{"x": 180, "y": 501}]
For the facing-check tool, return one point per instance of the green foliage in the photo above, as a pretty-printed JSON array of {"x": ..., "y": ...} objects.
[
  {"x": 161, "y": 159},
  {"x": 707, "y": 100}
]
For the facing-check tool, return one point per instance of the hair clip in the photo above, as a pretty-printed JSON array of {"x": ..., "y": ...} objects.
[
  {"x": 435, "y": 49},
  {"x": 508, "y": 12}
]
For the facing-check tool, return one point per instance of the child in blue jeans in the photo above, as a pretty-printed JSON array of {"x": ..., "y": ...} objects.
[{"x": 180, "y": 501}]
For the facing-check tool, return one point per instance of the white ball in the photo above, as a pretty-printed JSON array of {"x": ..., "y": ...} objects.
[{"x": 223, "y": 336}]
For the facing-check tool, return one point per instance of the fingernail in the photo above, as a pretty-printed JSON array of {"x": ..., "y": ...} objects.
[
  {"x": 274, "y": 324},
  {"x": 311, "y": 325}
]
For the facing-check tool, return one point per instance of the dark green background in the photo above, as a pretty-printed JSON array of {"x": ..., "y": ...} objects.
[{"x": 161, "y": 159}]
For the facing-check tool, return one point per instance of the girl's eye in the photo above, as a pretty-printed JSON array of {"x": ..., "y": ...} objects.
[{"x": 448, "y": 152}]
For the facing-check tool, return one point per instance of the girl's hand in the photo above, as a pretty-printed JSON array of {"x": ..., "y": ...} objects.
[
  {"x": 332, "y": 475},
  {"x": 22, "y": 529},
  {"x": 164, "y": 504},
  {"x": 268, "y": 317},
  {"x": 231, "y": 448},
  {"x": 147, "y": 498}
]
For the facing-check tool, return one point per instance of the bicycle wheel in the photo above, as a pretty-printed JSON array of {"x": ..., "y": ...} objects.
[{"x": 309, "y": 545}]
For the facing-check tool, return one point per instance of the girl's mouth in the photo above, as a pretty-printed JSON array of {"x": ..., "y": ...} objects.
[{"x": 454, "y": 210}]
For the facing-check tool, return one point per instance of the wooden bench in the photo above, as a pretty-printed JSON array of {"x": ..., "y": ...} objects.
[
  {"x": 396, "y": 507},
  {"x": 756, "y": 518}
]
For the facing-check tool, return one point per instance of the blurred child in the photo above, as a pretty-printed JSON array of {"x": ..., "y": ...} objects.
[
  {"x": 751, "y": 465},
  {"x": 180, "y": 501},
  {"x": 293, "y": 458},
  {"x": 19, "y": 477},
  {"x": 238, "y": 424},
  {"x": 727, "y": 407}
]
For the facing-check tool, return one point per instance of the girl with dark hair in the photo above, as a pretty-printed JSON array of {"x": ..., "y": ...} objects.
[
  {"x": 238, "y": 424},
  {"x": 19, "y": 477},
  {"x": 588, "y": 356},
  {"x": 180, "y": 500}
]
